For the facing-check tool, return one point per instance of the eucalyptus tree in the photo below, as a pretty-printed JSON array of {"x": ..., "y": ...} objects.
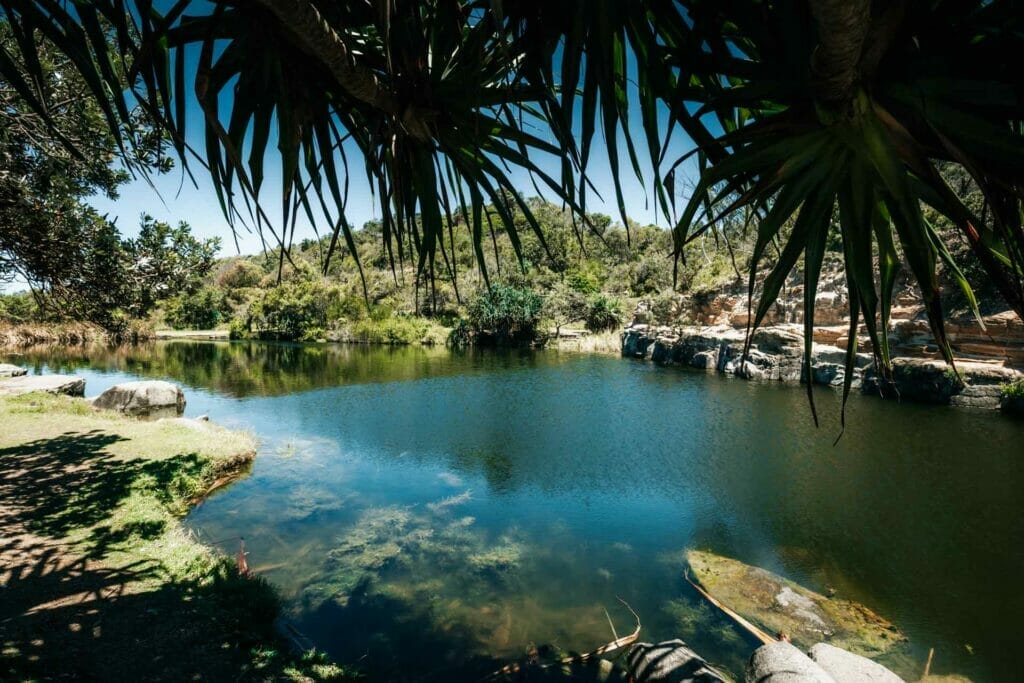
[{"x": 821, "y": 115}]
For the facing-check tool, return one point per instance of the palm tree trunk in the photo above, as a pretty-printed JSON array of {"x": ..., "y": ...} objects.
[
  {"x": 842, "y": 28},
  {"x": 315, "y": 36}
]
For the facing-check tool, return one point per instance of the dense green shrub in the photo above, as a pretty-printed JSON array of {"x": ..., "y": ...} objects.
[
  {"x": 461, "y": 334},
  {"x": 294, "y": 310},
  {"x": 585, "y": 278},
  {"x": 203, "y": 310},
  {"x": 239, "y": 328},
  {"x": 505, "y": 314},
  {"x": 603, "y": 313},
  {"x": 665, "y": 308}
]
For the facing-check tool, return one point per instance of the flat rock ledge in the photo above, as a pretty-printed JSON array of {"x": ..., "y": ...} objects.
[
  {"x": 776, "y": 354},
  {"x": 7, "y": 370},
  {"x": 52, "y": 384},
  {"x": 148, "y": 399}
]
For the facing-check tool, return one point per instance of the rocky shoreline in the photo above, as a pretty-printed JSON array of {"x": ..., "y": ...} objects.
[{"x": 776, "y": 354}]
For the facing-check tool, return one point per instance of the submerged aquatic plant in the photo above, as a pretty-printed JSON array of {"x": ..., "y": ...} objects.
[
  {"x": 498, "y": 559},
  {"x": 396, "y": 537},
  {"x": 451, "y": 501}
]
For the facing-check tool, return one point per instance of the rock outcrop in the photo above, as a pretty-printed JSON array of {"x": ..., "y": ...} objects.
[
  {"x": 974, "y": 384},
  {"x": 51, "y": 384},
  {"x": 776, "y": 353},
  {"x": 706, "y": 330},
  {"x": 7, "y": 370},
  {"x": 150, "y": 399}
]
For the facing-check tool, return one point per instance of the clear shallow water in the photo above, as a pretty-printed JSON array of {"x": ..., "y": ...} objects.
[{"x": 431, "y": 515}]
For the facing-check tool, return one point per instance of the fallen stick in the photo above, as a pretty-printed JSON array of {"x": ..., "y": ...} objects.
[
  {"x": 749, "y": 627},
  {"x": 616, "y": 644}
]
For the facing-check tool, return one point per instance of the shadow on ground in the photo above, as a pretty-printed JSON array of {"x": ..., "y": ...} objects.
[
  {"x": 57, "y": 485},
  {"x": 66, "y": 613}
]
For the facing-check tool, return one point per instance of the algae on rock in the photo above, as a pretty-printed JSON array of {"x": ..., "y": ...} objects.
[{"x": 779, "y": 605}]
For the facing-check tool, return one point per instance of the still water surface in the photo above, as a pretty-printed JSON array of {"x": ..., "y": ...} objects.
[{"x": 430, "y": 515}]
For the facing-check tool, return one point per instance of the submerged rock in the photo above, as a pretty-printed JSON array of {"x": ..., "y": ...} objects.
[
  {"x": 8, "y": 370},
  {"x": 143, "y": 398},
  {"x": 51, "y": 384},
  {"x": 781, "y": 606}
]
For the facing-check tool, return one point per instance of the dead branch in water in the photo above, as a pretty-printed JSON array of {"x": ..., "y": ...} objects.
[
  {"x": 241, "y": 561},
  {"x": 749, "y": 627},
  {"x": 617, "y": 644}
]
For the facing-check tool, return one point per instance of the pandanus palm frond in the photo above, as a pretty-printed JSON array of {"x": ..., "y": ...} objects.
[
  {"x": 799, "y": 110},
  {"x": 431, "y": 98},
  {"x": 850, "y": 105}
]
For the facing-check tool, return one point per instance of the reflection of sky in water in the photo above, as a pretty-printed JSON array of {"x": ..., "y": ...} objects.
[{"x": 454, "y": 509}]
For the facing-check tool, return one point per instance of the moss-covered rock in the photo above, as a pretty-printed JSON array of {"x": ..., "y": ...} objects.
[{"x": 779, "y": 605}]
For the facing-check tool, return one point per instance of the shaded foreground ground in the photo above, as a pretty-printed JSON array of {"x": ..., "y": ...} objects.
[{"x": 98, "y": 581}]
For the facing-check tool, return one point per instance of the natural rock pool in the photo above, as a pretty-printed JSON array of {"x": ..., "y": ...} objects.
[{"x": 431, "y": 515}]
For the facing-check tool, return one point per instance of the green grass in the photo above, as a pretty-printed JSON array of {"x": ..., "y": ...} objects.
[{"x": 110, "y": 490}]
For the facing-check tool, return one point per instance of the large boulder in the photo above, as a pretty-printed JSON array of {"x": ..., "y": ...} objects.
[
  {"x": 668, "y": 662},
  {"x": 7, "y": 370},
  {"x": 51, "y": 384},
  {"x": 151, "y": 398},
  {"x": 781, "y": 662},
  {"x": 847, "y": 667}
]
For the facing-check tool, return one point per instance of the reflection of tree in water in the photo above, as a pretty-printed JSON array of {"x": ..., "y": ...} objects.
[{"x": 243, "y": 369}]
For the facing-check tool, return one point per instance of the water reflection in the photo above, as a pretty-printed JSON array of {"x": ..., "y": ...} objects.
[
  {"x": 242, "y": 369},
  {"x": 432, "y": 514}
]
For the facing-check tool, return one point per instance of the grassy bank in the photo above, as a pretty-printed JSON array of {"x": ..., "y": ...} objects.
[{"x": 100, "y": 580}]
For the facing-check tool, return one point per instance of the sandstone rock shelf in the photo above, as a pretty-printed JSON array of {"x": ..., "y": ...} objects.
[{"x": 776, "y": 353}]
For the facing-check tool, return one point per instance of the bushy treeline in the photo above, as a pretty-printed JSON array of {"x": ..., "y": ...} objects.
[
  {"x": 119, "y": 282},
  {"x": 580, "y": 276}
]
